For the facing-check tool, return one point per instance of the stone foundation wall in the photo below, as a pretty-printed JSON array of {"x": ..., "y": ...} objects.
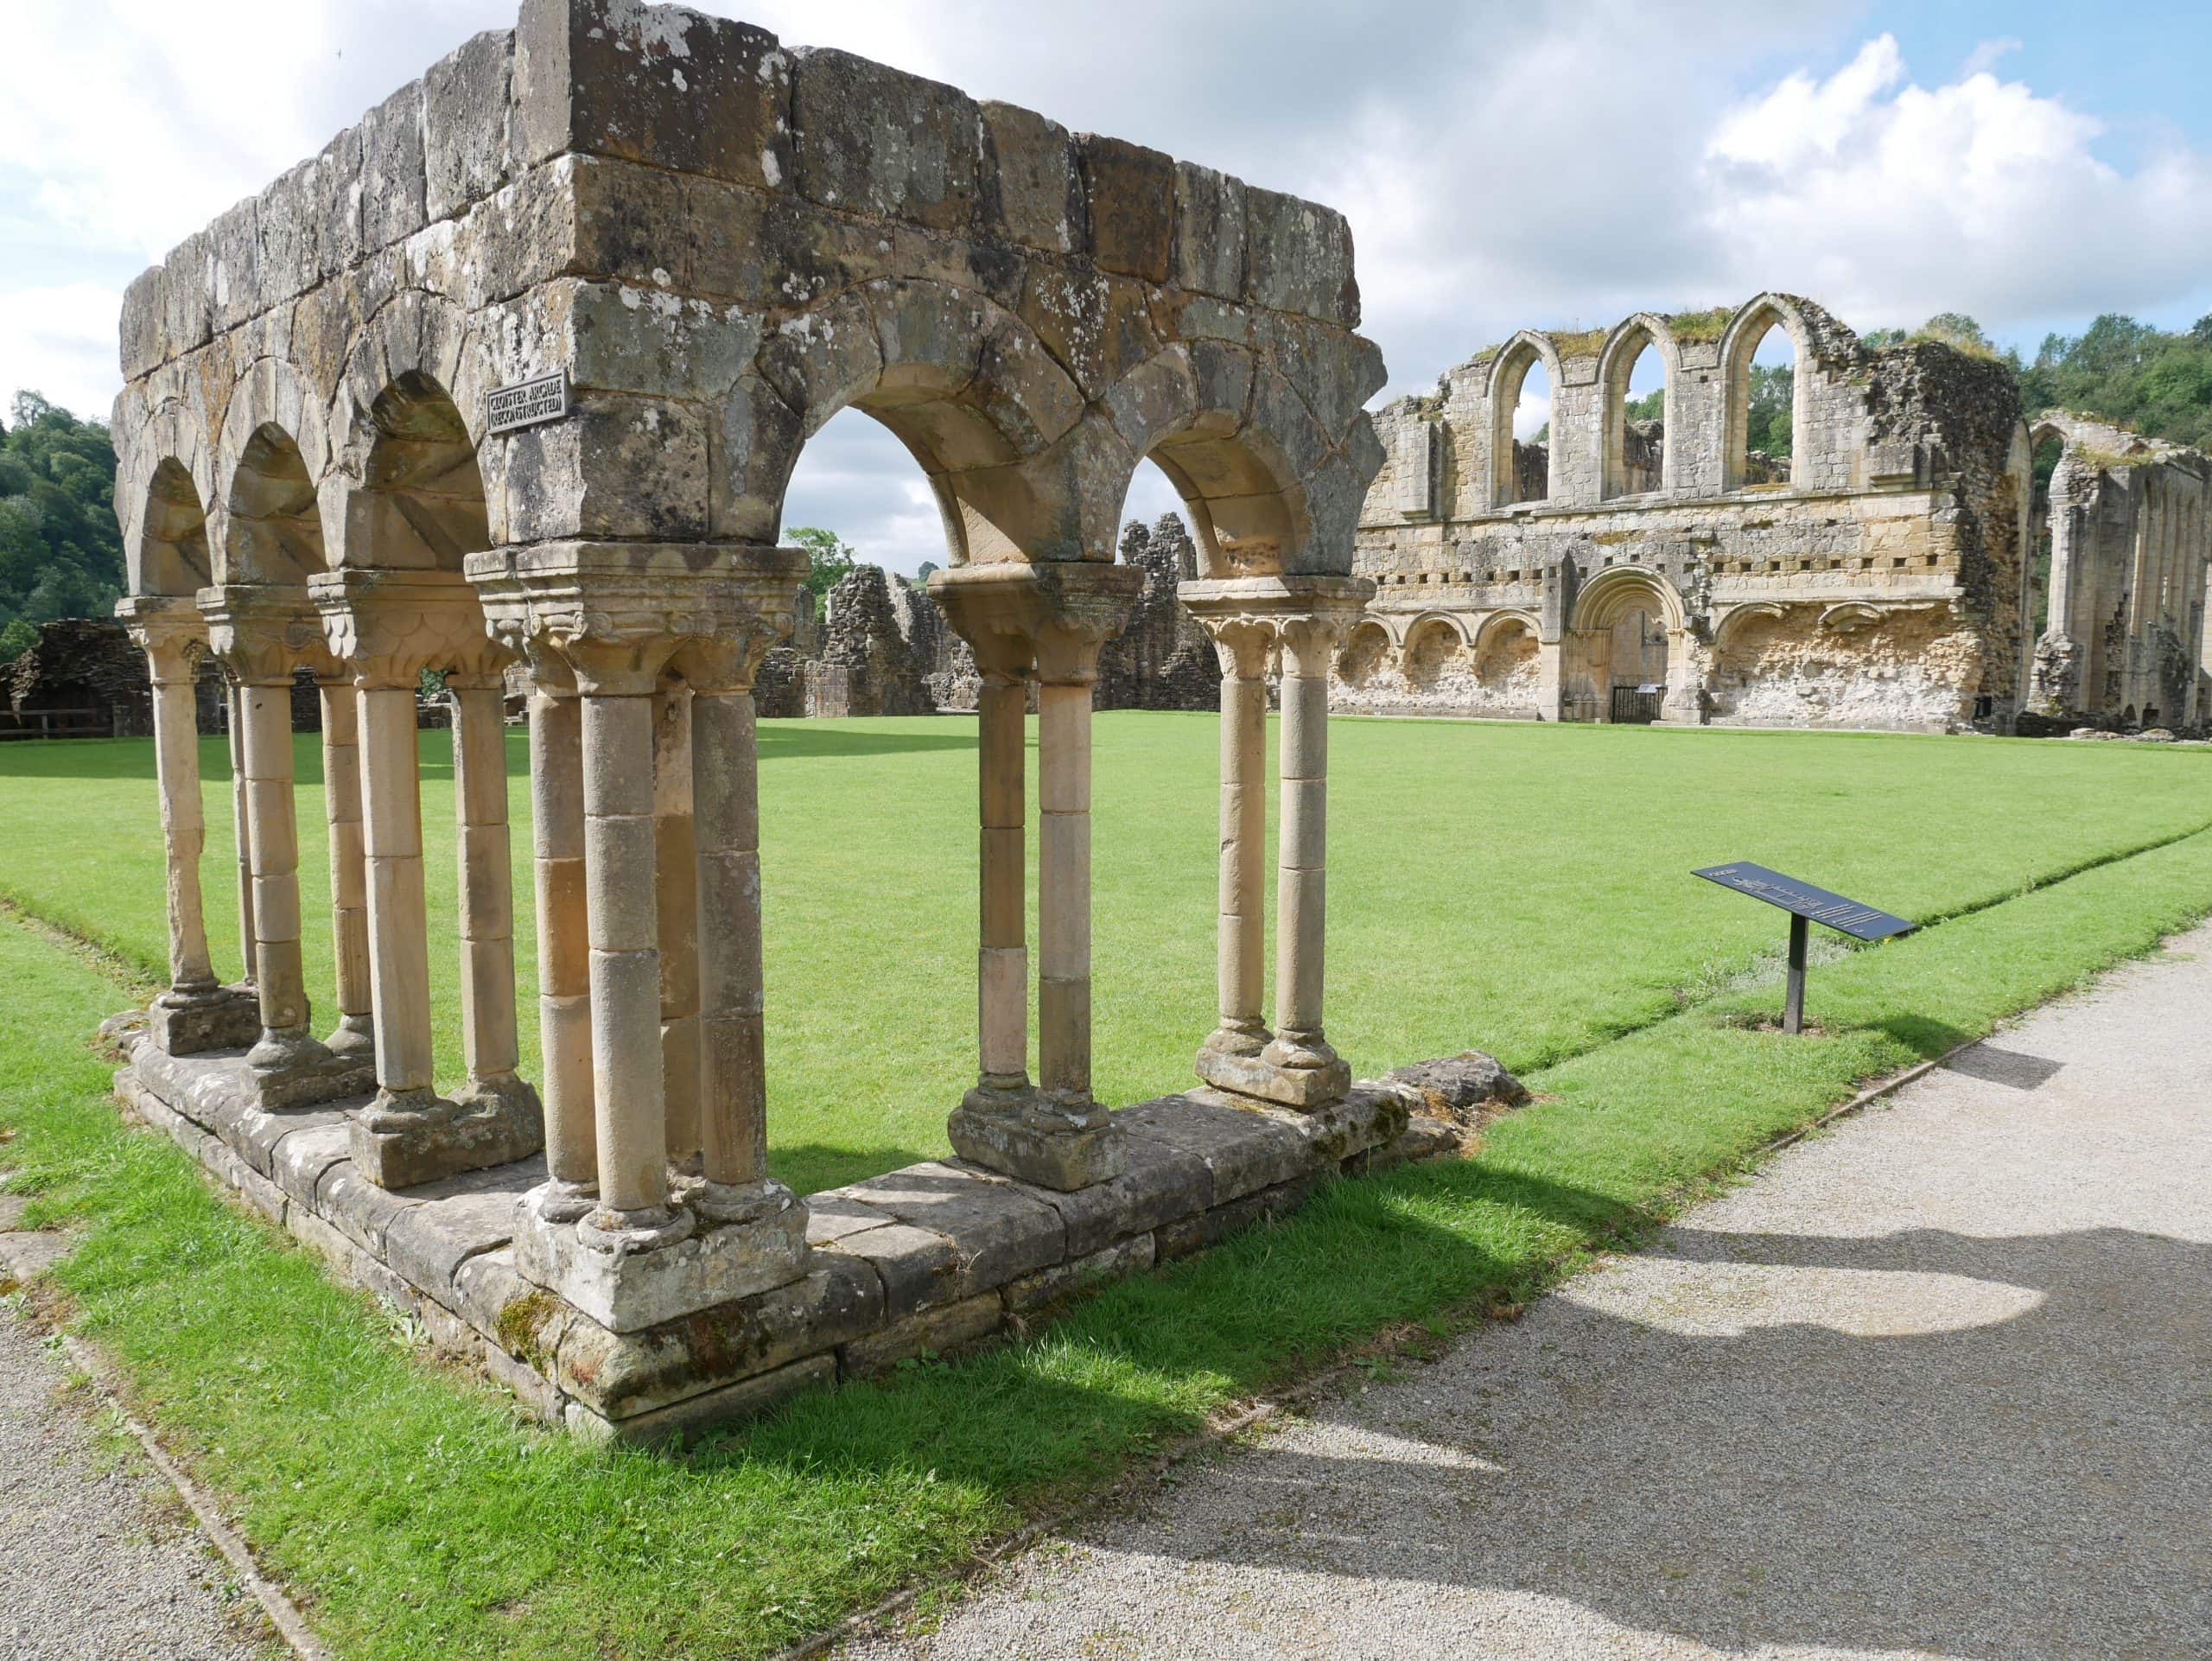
[{"x": 926, "y": 1259}]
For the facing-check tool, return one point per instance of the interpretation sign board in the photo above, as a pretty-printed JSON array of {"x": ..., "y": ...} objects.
[
  {"x": 1806, "y": 904},
  {"x": 541, "y": 397},
  {"x": 1846, "y": 916}
]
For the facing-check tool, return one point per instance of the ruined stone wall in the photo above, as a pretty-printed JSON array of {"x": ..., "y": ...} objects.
[
  {"x": 2131, "y": 537},
  {"x": 1161, "y": 659},
  {"x": 882, "y": 636},
  {"x": 1877, "y": 577},
  {"x": 82, "y": 664}
]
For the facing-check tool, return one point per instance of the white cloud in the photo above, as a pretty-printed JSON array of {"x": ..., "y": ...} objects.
[
  {"x": 1988, "y": 54},
  {"x": 59, "y": 343}
]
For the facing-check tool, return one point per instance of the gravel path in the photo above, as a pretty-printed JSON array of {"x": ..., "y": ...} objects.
[
  {"x": 1937, "y": 1385},
  {"x": 99, "y": 1561}
]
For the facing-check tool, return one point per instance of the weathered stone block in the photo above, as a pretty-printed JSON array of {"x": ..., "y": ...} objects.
[
  {"x": 748, "y": 1398},
  {"x": 187, "y": 311},
  {"x": 141, "y": 327},
  {"x": 300, "y": 1159},
  {"x": 654, "y": 84},
  {"x": 619, "y": 1374},
  {"x": 1243, "y": 1149},
  {"x": 428, "y": 1242},
  {"x": 285, "y": 229},
  {"x": 1048, "y": 1286},
  {"x": 918, "y": 1268},
  {"x": 1031, "y": 188},
  {"x": 873, "y": 140},
  {"x": 832, "y": 1216},
  {"x": 618, "y": 467},
  {"x": 494, "y": 1129},
  {"x": 1462, "y": 1085},
  {"x": 467, "y": 142},
  {"x": 394, "y": 190},
  {"x": 1131, "y": 194},
  {"x": 258, "y": 1137},
  {"x": 356, "y": 1207},
  {"x": 339, "y": 206},
  {"x": 1209, "y": 247},
  {"x": 627, "y": 1291},
  {"x": 997, "y": 1230},
  {"x": 1250, "y": 1075},
  {"x": 1300, "y": 255},
  {"x": 1209, "y": 1228},
  {"x": 233, "y": 266},
  {"x": 228, "y": 1018},
  {"x": 1159, "y": 1183},
  {"x": 647, "y": 341},
  {"x": 933, "y": 1331}
]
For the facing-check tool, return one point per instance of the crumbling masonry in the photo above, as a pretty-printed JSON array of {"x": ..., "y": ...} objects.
[
  {"x": 1881, "y": 577},
  {"x": 718, "y": 243}
]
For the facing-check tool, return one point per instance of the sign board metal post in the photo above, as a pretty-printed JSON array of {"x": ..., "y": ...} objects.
[{"x": 1806, "y": 904}]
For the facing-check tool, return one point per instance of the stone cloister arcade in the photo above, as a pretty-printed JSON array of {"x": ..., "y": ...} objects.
[{"x": 718, "y": 244}]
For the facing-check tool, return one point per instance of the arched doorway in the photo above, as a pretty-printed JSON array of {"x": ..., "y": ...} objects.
[{"x": 1625, "y": 653}]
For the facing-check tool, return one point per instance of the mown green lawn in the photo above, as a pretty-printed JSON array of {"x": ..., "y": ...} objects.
[
  {"x": 1524, "y": 888},
  {"x": 1521, "y": 889}
]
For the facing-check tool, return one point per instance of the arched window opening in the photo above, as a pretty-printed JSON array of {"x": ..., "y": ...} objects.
[
  {"x": 1762, "y": 405},
  {"x": 1436, "y": 658},
  {"x": 1163, "y": 659},
  {"x": 1636, "y": 438},
  {"x": 1529, "y": 474},
  {"x": 2044, "y": 460},
  {"x": 174, "y": 560}
]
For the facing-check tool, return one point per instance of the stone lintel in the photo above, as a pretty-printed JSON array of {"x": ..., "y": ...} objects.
[{"x": 1047, "y": 619}]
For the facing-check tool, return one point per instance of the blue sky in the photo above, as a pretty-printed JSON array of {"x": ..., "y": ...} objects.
[{"x": 1504, "y": 163}]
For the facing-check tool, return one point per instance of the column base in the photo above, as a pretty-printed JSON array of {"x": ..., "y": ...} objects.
[
  {"x": 488, "y": 1122},
  {"x": 1281, "y": 1072},
  {"x": 354, "y": 1037},
  {"x": 625, "y": 1289},
  {"x": 214, "y": 1018},
  {"x": 294, "y": 1070},
  {"x": 1028, "y": 1135}
]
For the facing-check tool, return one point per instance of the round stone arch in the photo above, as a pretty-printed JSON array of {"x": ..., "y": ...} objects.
[
  {"x": 265, "y": 517},
  {"x": 1616, "y": 363},
  {"x": 964, "y": 385},
  {"x": 416, "y": 342},
  {"x": 1365, "y": 653},
  {"x": 1738, "y": 342},
  {"x": 1507, "y": 645},
  {"x": 1594, "y": 662},
  {"x": 165, "y": 481},
  {"x": 1508, "y": 371},
  {"x": 1435, "y": 643},
  {"x": 1728, "y": 632}
]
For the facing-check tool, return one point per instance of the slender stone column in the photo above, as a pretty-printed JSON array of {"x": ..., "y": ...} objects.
[
  {"x": 1243, "y": 644},
  {"x": 675, "y": 856},
  {"x": 556, "y": 783},
  {"x": 1002, "y": 973},
  {"x": 399, "y": 940},
  {"x": 1304, "y": 618},
  {"x": 349, "y": 902},
  {"x": 1049, "y": 620},
  {"x": 1301, "y": 911},
  {"x": 195, "y": 1013},
  {"x": 241, "y": 827},
  {"x": 285, "y": 1043},
  {"x": 388, "y": 625},
  {"x": 622, "y": 907},
  {"x": 487, "y": 903},
  {"x": 735, "y": 1188},
  {"x": 1064, "y": 891}
]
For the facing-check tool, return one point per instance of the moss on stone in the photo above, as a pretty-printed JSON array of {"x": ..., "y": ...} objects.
[
  {"x": 1579, "y": 343},
  {"x": 1700, "y": 328},
  {"x": 521, "y": 1328}
]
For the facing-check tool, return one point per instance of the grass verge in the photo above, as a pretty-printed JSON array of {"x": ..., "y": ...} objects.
[{"x": 415, "y": 1517}]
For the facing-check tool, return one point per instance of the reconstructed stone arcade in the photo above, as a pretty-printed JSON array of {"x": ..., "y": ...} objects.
[
  {"x": 1879, "y": 577},
  {"x": 721, "y": 243}
]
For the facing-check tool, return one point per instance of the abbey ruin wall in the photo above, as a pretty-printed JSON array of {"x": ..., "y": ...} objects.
[{"x": 1879, "y": 576}]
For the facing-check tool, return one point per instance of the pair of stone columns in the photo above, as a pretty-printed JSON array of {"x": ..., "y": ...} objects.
[
  {"x": 383, "y": 629},
  {"x": 1046, "y": 622},
  {"x": 644, "y": 773},
  {"x": 1299, "y": 621}
]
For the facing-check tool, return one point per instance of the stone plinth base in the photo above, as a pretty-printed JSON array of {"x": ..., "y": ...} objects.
[
  {"x": 1025, "y": 1134},
  {"x": 623, "y": 1290},
  {"x": 493, "y": 1125},
  {"x": 1253, "y": 1075},
  {"x": 191, "y": 1023},
  {"x": 326, "y": 1077},
  {"x": 922, "y": 1260}
]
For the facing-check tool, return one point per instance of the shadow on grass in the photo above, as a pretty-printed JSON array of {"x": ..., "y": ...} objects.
[
  {"x": 1147, "y": 1359},
  {"x": 809, "y": 1166},
  {"x": 798, "y": 740}
]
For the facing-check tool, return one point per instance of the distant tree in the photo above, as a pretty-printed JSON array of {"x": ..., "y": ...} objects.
[
  {"x": 1773, "y": 386},
  {"x": 829, "y": 558},
  {"x": 1957, "y": 329},
  {"x": 1652, "y": 406},
  {"x": 15, "y": 639},
  {"x": 2129, "y": 373},
  {"x": 923, "y": 575},
  {"x": 61, "y": 552}
]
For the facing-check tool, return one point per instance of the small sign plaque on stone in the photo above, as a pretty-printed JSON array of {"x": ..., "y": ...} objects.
[
  {"x": 1805, "y": 904},
  {"x": 527, "y": 403}
]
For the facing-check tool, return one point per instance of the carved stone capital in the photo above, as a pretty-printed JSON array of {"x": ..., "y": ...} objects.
[
  {"x": 1047, "y": 619},
  {"x": 615, "y": 616},
  {"x": 1304, "y": 617},
  {"x": 170, "y": 631},
  {"x": 387, "y": 627},
  {"x": 264, "y": 631}
]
